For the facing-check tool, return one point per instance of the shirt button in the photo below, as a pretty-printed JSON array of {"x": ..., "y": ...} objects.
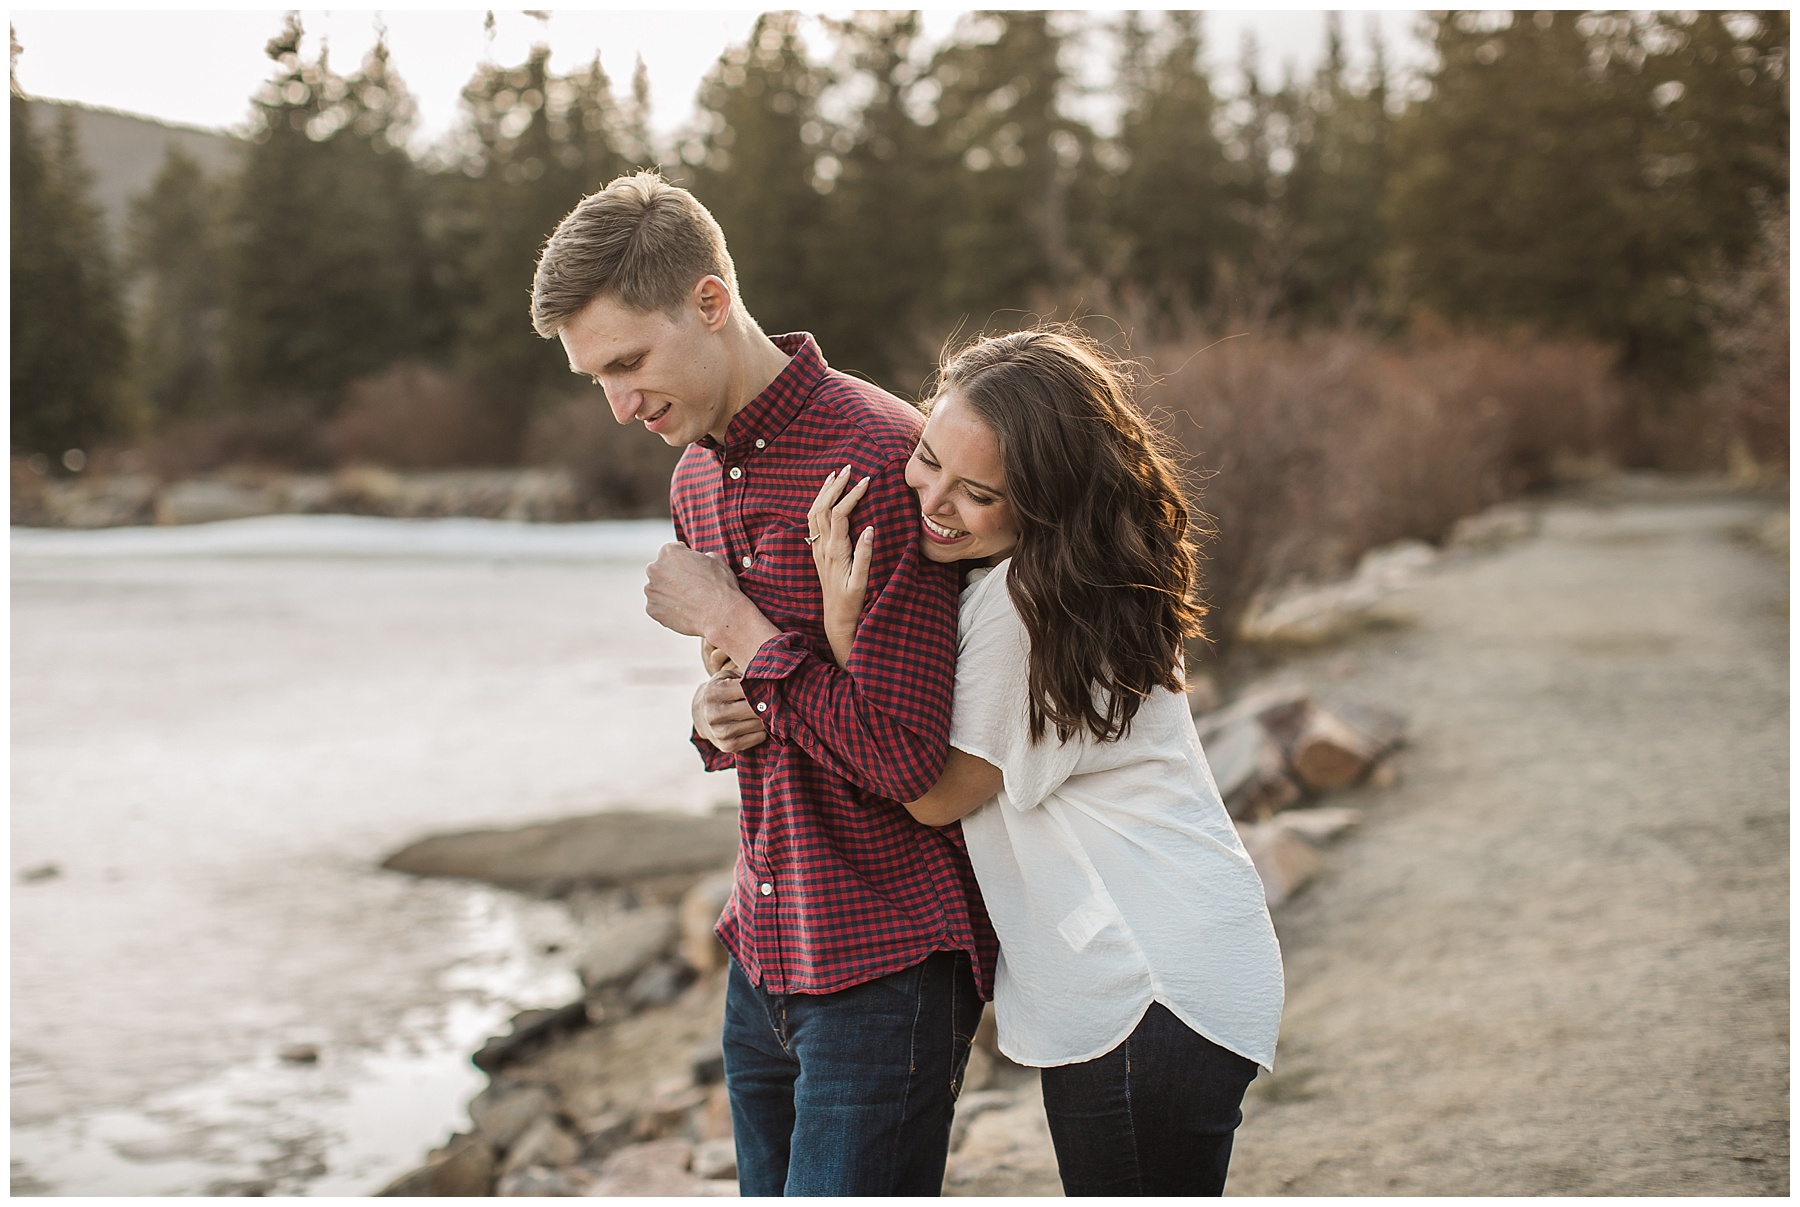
[
  {"x": 762, "y": 707},
  {"x": 736, "y": 473},
  {"x": 747, "y": 561},
  {"x": 762, "y": 444},
  {"x": 766, "y": 888}
]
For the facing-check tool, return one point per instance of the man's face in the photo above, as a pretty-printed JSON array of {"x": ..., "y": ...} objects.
[{"x": 666, "y": 371}]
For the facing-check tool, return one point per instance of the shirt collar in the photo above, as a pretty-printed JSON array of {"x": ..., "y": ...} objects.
[{"x": 771, "y": 411}]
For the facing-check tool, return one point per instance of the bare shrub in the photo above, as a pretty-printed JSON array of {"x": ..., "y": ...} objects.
[
  {"x": 619, "y": 471},
  {"x": 279, "y": 437},
  {"x": 1308, "y": 452},
  {"x": 417, "y": 417}
]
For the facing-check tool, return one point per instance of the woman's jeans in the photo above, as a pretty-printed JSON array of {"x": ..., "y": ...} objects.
[
  {"x": 1153, "y": 1116},
  {"x": 849, "y": 1093}
]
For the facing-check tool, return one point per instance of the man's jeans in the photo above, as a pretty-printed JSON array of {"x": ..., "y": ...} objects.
[
  {"x": 1153, "y": 1116},
  {"x": 849, "y": 1093}
]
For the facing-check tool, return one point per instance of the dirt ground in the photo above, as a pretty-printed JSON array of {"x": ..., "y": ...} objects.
[{"x": 1554, "y": 958}]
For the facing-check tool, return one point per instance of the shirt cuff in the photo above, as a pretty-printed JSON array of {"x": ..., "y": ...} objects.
[
  {"x": 779, "y": 659},
  {"x": 711, "y": 756}
]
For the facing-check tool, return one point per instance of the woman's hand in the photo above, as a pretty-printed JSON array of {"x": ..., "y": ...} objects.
[{"x": 843, "y": 566}]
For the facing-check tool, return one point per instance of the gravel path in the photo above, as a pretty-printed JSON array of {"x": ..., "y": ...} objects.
[{"x": 1554, "y": 959}]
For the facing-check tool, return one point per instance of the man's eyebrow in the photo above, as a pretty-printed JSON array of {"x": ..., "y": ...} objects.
[{"x": 932, "y": 453}]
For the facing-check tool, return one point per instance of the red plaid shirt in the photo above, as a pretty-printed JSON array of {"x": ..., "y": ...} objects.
[{"x": 836, "y": 883}]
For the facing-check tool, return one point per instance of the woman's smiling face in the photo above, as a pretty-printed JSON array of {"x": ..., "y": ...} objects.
[{"x": 957, "y": 475}]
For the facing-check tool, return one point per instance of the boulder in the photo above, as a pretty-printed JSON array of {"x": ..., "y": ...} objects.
[
  {"x": 700, "y": 910},
  {"x": 463, "y": 1168},
  {"x": 203, "y": 500},
  {"x": 620, "y": 944},
  {"x": 544, "y": 1181},
  {"x": 658, "y": 1168},
  {"x": 1284, "y": 860},
  {"x": 597, "y": 850},
  {"x": 503, "y": 1111},
  {"x": 531, "y": 1030},
  {"x": 544, "y": 1142},
  {"x": 1317, "y": 825},
  {"x": 715, "y": 1159},
  {"x": 604, "y": 1134}
]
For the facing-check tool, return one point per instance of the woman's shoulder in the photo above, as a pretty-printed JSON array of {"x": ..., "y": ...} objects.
[{"x": 984, "y": 593}]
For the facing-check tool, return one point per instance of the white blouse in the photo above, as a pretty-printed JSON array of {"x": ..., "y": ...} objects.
[{"x": 1111, "y": 870}]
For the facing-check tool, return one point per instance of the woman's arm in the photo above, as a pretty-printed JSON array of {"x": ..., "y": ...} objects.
[{"x": 968, "y": 783}]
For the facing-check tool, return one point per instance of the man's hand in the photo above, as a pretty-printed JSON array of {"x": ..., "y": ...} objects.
[
  {"x": 723, "y": 716},
  {"x": 688, "y": 590},
  {"x": 697, "y": 594}
]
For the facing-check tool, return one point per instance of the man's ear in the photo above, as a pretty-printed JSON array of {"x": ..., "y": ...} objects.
[{"x": 713, "y": 300}]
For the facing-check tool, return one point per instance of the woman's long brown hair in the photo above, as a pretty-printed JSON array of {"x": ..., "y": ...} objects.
[{"x": 1104, "y": 573}]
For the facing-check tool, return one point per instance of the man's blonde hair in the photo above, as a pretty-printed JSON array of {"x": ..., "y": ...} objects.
[{"x": 640, "y": 239}]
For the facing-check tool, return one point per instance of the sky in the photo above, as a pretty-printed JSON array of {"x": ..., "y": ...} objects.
[{"x": 200, "y": 67}]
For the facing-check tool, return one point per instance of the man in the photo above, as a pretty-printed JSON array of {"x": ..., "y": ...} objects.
[{"x": 860, "y": 949}]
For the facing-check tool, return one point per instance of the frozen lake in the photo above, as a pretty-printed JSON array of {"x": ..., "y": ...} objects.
[{"x": 217, "y": 733}]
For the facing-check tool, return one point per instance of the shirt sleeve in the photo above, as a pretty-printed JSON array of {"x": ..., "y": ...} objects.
[
  {"x": 991, "y": 719},
  {"x": 711, "y": 757},
  {"x": 883, "y": 722}
]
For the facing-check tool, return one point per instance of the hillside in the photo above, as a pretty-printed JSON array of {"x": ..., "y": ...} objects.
[{"x": 125, "y": 151}]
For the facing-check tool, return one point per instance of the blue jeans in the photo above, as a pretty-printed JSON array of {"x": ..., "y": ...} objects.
[
  {"x": 1153, "y": 1116},
  {"x": 849, "y": 1093}
]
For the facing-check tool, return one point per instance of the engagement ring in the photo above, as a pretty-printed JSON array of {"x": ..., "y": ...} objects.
[{"x": 811, "y": 539}]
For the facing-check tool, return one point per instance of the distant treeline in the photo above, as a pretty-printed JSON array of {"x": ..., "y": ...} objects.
[{"x": 1587, "y": 176}]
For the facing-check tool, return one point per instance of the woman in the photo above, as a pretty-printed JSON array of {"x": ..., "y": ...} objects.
[{"x": 1138, "y": 967}]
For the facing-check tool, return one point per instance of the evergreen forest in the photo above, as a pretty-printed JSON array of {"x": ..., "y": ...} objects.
[{"x": 1578, "y": 218}]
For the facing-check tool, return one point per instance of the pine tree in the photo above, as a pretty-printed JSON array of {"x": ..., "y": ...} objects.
[
  {"x": 877, "y": 253},
  {"x": 330, "y": 275},
  {"x": 1336, "y": 186},
  {"x": 1014, "y": 221},
  {"x": 176, "y": 256},
  {"x": 755, "y": 168},
  {"x": 1580, "y": 173},
  {"x": 536, "y": 143},
  {"x": 69, "y": 344},
  {"x": 1171, "y": 201}
]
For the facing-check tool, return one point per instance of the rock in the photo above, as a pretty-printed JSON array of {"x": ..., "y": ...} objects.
[
  {"x": 1202, "y": 692},
  {"x": 1005, "y": 1150},
  {"x": 1312, "y": 615},
  {"x": 505, "y": 494},
  {"x": 709, "y": 1061},
  {"x": 658, "y": 1168},
  {"x": 715, "y": 1159},
  {"x": 621, "y": 944},
  {"x": 700, "y": 910},
  {"x": 659, "y": 984},
  {"x": 666, "y": 1114},
  {"x": 601, "y": 849},
  {"x": 202, "y": 500},
  {"x": 463, "y": 1168},
  {"x": 604, "y": 1134},
  {"x": 1250, "y": 770},
  {"x": 1283, "y": 859},
  {"x": 971, "y": 1105},
  {"x": 40, "y": 873},
  {"x": 531, "y": 1029},
  {"x": 1329, "y": 754},
  {"x": 300, "y": 1054},
  {"x": 713, "y": 1121},
  {"x": 544, "y": 1142},
  {"x": 503, "y": 1111},
  {"x": 1494, "y": 528},
  {"x": 99, "y": 502},
  {"x": 1317, "y": 825},
  {"x": 1386, "y": 773},
  {"x": 978, "y": 1074},
  {"x": 543, "y": 1181}
]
